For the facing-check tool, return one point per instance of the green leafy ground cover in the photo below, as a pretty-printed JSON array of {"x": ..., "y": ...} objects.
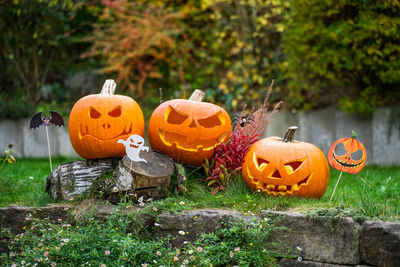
[{"x": 374, "y": 192}]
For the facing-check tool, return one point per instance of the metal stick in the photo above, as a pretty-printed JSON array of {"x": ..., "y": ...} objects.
[
  {"x": 340, "y": 175},
  {"x": 48, "y": 147}
]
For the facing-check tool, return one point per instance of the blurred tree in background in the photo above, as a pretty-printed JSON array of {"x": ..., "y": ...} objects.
[
  {"x": 342, "y": 50},
  {"x": 40, "y": 43},
  {"x": 320, "y": 53}
]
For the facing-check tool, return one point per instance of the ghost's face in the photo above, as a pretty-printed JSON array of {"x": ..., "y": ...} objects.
[{"x": 135, "y": 141}]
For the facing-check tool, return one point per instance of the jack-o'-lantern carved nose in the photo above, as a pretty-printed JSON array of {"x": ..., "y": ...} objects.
[
  {"x": 276, "y": 174},
  {"x": 192, "y": 124},
  {"x": 106, "y": 125}
]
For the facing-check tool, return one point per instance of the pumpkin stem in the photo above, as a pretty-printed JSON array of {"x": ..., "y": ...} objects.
[
  {"x": 289, "y": 135},
  {"x": 353, "y": 135},
  {"x": 197, "y": 96},
  {"x": 108, "y": 87}
]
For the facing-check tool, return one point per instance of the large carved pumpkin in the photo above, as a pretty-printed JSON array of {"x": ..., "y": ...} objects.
[
  {"x": 98, "y": 121},
  {"x": 348, "y": 154},
  {"x": 286, "y": 167},
  {"x": 188, "y": 130}
]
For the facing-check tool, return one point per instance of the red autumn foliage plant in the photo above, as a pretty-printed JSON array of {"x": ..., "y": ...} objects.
[{"x": 229, "y": 156}]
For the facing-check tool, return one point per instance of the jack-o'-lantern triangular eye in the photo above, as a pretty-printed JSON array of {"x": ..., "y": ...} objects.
[
  {"x": 292, "y": 166},
  {"x": 175, "y": 117},
  {"x": 116, "y": 112},
  {"x": 259, "y": 162},
  {"x": 211, "y": 121},
  {"x": 94, "y": 114}
]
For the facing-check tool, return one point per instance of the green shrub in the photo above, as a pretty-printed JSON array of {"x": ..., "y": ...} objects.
[
  {"x": 40, "y": 43},
  {"x": 346, "y": 50}
]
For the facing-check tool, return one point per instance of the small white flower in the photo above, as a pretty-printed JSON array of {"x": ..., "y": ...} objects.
[
  {"x": 156, "y": 224},
  {"x": 299, "y": 258},
  {"x": 181, "y": 203},
  {"x": 30, "y": 177},
  {"x": 299, "y": 249},
  {"x": 181, "y": 232},
  {"x": 140, "y": 199},
  {"x": 237, "y": 249},
  {"x": 141, "y": 204},
  {"x": 190, "y": 252},
  {"x": 115, "y": 189},
  {"x": 231, "y": 254},
  {"x": 158, "y": 253}
]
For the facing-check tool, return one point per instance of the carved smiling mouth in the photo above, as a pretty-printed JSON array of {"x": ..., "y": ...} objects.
[
  {"x": 275, "y": 190},
  {"x": 85, "y": 132},
  {"x": 345, "y": 164},
  {"x": 171, "y": 139},
  {"x": 132, "y": 145}
]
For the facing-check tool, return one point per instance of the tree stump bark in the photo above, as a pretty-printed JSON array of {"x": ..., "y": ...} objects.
[
  {"x": 113, "y": 179},
  {"x": 77, "y": 177},
  {"x": 150, "y": 180}
]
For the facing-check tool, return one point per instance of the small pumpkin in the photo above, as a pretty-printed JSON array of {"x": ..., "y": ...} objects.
[
  {"x": 348, "y": 154},
  {"x": 98, "y": 121},
  {"x": 188, "y": 130},
  {"x": 286, "y": 167}
]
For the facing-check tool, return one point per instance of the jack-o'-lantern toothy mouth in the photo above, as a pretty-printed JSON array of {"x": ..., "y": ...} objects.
[
  {"x": 346, "y": 164},
  {"x": 181, "y": 142},
  {"x": 83, "y": 133},
  {"x": 278, "y": 189}
]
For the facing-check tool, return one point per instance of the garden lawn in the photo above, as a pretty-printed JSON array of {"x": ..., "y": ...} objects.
[{"x": 374, "y": 192}]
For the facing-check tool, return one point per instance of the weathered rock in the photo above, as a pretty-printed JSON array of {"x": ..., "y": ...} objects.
[
  {"x": 15, "y": 217},
  {"x": 295, "y": 263},
  {"x": 76, "y": 178},
  {"x": 193, "y": 223},
  {"x": 151, "y": 179},
  {"x": 102, "y": 212},
  {"x": 321, "y": 239},
  {"x": 380, "y": 243}
]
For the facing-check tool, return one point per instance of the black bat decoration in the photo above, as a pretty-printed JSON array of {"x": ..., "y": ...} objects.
[{"x": 55, "y": 119}]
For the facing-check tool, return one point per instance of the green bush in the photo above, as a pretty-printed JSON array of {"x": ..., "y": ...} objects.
[
  {"x": 342, "y": 50},
  {"x": 41, "y": 42}
]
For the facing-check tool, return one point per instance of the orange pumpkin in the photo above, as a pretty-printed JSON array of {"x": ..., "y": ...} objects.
[
  {"x": 348, "y": 154},
  {"x": 286, "y": 167},
  {"x": 188, "y": 130},
  {"x": 98, "y": 121}
]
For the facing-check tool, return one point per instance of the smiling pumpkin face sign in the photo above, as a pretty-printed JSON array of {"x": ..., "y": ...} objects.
[
  {"x": 98, "y": 121},
  {"x": 348, "y": 154}
]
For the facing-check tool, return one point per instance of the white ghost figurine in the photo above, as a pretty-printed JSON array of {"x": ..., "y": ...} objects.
[{"x": 133, "y": 145}]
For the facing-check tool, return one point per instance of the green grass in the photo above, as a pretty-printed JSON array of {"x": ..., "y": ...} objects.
[
  {"x": 374, "y": 192},
  {"x": 24, "y": 182}
]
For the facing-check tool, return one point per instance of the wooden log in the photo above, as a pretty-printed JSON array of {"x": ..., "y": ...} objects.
[
  {"x": 75, "y": 178},
  {"x": 149, "y": 179}
]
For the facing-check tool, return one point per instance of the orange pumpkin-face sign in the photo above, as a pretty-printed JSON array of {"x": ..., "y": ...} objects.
[
  {"x": 348, "y": 154},
  {"x": 286, "y": 167},
  {"x": 98, "y": 121},
  {"x": 188, "y": 130}
]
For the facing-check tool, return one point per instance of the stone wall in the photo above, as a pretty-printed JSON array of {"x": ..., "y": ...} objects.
[
  {"x": 322, "y": 128},
  {"x": 324, "y": 241}
]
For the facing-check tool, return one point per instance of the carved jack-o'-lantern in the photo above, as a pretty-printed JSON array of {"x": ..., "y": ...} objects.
[
  {"x": 188, "y": 130},
  {"x": 348, "y": 154},
  {"x": 98, "y": 121},
  {"x": 286, "y": 167}
]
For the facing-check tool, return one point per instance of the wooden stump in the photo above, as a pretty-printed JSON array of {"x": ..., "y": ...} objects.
[
  {"x": 136, "y": 179},
  {"x": 77, "y": 177}
]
